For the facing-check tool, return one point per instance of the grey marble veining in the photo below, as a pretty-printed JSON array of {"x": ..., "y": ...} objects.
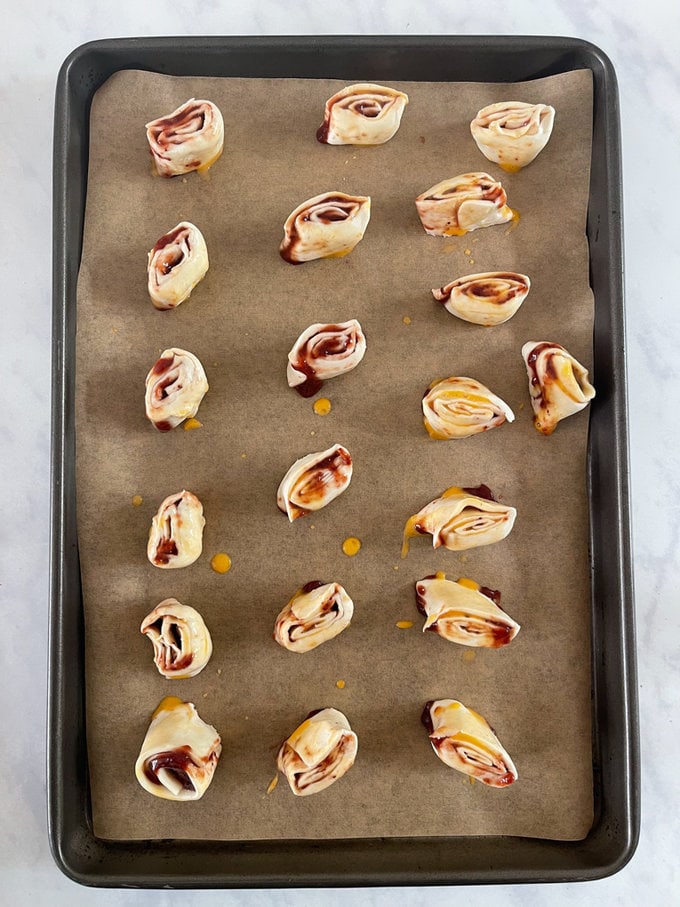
[{"x": 641, "y": 40}]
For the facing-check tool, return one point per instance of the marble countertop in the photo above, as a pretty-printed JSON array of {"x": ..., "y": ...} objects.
[{"x": 640, "y": 39}]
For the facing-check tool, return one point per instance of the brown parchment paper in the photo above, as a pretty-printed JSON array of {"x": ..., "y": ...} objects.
[{"x": 241, "y": 322}]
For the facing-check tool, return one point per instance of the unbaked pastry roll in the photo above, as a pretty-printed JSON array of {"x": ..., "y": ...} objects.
[
  {"x": 363, "y": 114},
  {"x": 189, "y": 138},
  {"x": 558, "y": 384},
  {"x": 465, "y": 741},
  {"x": 464, "y": 203},
  {"x": 318, "y": 752},
  {"x": 316, "y": 613},
  {"x": 326, "y": 226},
  {"x": 175, "y": 387},
  {"x": 176, "y": 535},
  {"x": 512, "y": 133},
  {"x": 177, "y": 263},
  {"x": 179, "y": 754},
  {"x": 181, "y": 641},
  {"x": 314, "y": 481},
  {"x": 488, "y": 299},
  {"x": 324, "y": 351},
  {"x": 459, "y": 407},
  {"x": 461, "y": 518},
  {"x": 464, "y": 612}
]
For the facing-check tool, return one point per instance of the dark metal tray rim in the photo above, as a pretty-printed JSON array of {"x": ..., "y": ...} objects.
[{"x": 613, "y": 837}]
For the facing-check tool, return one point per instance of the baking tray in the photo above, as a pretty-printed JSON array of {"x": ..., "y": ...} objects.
[{"x": 370, "y": 861}]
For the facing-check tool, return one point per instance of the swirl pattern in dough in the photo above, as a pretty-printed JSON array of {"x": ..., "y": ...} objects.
[
  {"x": 558, "y": 384},
  {"x": 465, "y": 741},
  {"x": 463, "y": 203},
  {"x": 324, "y": 351},
  {"x": 175, "y": 387},
  {"x": 464, "y": 612},
  {"x": 319, "y": 752},
  {"x": 512, "y": 133},
  {"x": 176, "y": 535},
  {"x": 189, "y": 138},
  {"x": 363, "y": 114},
  {"x": 179, "y": 754},
  {"x": 181, "y": 641},
  {"x": 326, "y": 226},
  {"x": 314, "y": 481},
  {"x": 177, "y": 263},
  {"x": 460, "y": 407},
  {"x": 316, "y": 613},
  {"x": 461, "y": 518},
  {"x": 489, "y": 299}
]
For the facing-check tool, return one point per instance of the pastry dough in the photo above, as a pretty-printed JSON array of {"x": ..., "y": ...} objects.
[
  {"x": 465, "y": 741},
  {"x": 488, "y": 299},
  {"x": 459, "y": 407},
  {"x": 179, "y": 754},
  {"x": 316, "y": 613},
  {"x": 462, "y": 204},
  {"x": 363, "y": 114},
  {"x": 321, "y": 750},
  {"x": 326, "y": 226},
  {"x": 512, "y": 133},
  {"x": 177, "y": 263},
  {"x": 189, "y": 138},
  {"x": 464, "y": 612},
  {"x": 175, "y": 387},
  {"x": 324, "y": 351},
  {"x": 181, "y": 642},
  {"x": 314, "y": 481},
  {"x": 176, "y": 535},
  {"x": 558, "y": 384},
  {"x": 461, "y": 518}
]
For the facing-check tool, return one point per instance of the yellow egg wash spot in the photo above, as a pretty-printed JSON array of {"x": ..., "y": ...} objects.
[
  {"x": 455, "y": 231},
  {"x": 404, "y": 624},
  {"x": 440, "y": 575},
  {"x": 351, "y": 546},
  {"x": 468, "y": 583},
  {"x": 514, "y": 220},
  {"x": 338, "y": 254},
  {"x": 396, "y": 567},
  {"x": 450, "y": 492},
  {"x": 467, "y": 251},
  {"x": 243, "y": 456},
  {"x": 137, "y": 500},
  {"x": 340, "y": 684},
  {"x": 469, "y": 656},
  {"x": 322, "y": 406},
  {"x": 471, "y": 779},
  {"x": 406, "y": 319},
  {"x": 433, "y": 433},
  {"x": 167, "y": 705},
  {"x": 191, "y": 424},
  {"x": 510, "y": 168},
  {"x": 409, "y": 533},
  {"x": 272, "y": 784},
  {"x": 221, "y": 563}
]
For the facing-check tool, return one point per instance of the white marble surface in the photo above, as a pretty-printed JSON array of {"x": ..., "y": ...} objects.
[{"x": 641, "y": 39}]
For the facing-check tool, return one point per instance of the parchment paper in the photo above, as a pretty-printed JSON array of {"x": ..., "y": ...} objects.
[{"x": 241, "y": 322}]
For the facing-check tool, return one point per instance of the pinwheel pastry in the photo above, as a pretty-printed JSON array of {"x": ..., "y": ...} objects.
[
  {"x": 316, "y": 613},
  {"x": 461, "y": 518},
  {"x": 181, "y": 642},
  {"x": 460, "y": 407},
  {"x": 175, "y": 387},
  {"x": 318, "y": 752},
  {"x": 464, "y": 612},
  {"x": 189, "y": 138},
  {"x": 176, "y": 536},
  {"x": 179, "y": 754},
  {"x": 177, "y": 262},
  {"x": 465, "y": 741},
  {"x": 487, "y": 299},
  {"x": 324, "y": 351},
  {"x": 558, "y": 384},
  {"x": 326, "y": 226},
  {"x": 512, "y": 133},
  {"x": 464, "y": 203},
  {"x": 363, "y": 114},
  {"x": 314, "y": 481}
]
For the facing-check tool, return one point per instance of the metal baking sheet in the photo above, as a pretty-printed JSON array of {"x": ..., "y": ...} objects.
[{"x": 414, "y": 860}]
